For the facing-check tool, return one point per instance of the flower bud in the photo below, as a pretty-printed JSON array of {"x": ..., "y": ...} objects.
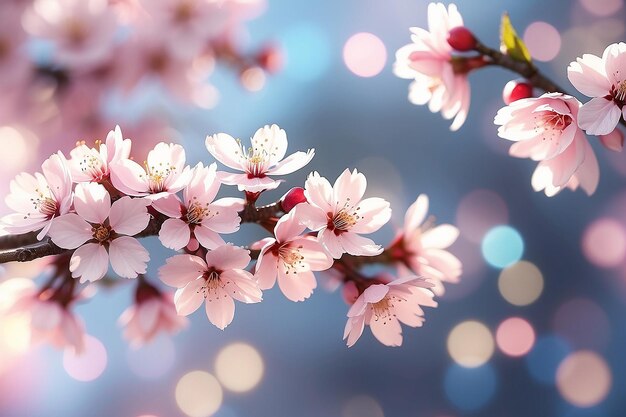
[
  {"x": 461, "y": 39},
  {"x": 292, "y": 198},
  {"x": 516, "y": 90},
  {"x": 270, "y": 59}
]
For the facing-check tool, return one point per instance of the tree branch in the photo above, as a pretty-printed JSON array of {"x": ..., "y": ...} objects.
[
  {"x": 26, "y": 248},
  {"x": 526, "y": 69}
]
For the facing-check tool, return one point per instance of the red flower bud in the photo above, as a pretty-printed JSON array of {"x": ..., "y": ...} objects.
[
  {"x": 270, "y": 59},
  {"x": 293, "y": 197},
  {"x": 516, "y": 90},
  {"x": 461, "y": 39}
]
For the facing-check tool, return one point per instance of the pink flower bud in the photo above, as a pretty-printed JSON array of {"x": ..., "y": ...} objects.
[
  {"x": 293, "y": 197},
  {"x": 614, "y": 141},
  {"x": 350, "y": 293},
  {"x": 516, "y": 90},
  {"x": 270, "y": 59},
  {"x": 461, "y": 39}
]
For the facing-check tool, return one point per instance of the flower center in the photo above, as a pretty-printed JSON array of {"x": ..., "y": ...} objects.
[
  {"x": 256, "y": 162},
  {"x": 101, "y": 233},
  {"x": 196, "y": 212},
  {"x": 619, "y": 94},
  {"x": 47, "y": 206},
  {"x": 551, "y": 124},
  {"x": 158, "y": 175},
  {"x": 212, "y": 283},
  {"x": 382, "y": 309},
  {"x": 91, "y": 163},
  {"x": 291, "y": 257}
]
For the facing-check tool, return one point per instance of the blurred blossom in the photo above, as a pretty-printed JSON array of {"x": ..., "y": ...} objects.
[{"x": 88, "y": 365}]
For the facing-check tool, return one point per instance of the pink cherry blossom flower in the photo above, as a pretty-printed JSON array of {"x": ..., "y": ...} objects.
[
  {"x": 164, "y": 173},
  {"x": 340, "y": 215},
  {"x": 152, "y": 313},
  {"x": 544, "y": 129},
  {"x": 102, "y": 231},
  {"x": 38, "y": 199},
  {"x": 216, "y": 282},
  {"x": 190, "y": 23},
  {"x": 419, "y": 248},
  {"x": 384, "y": 306},
  {"x": 258, "y": 162},
  {"x": 604, "y": 79},
  {"x": 50, "y": 321},
  {"x": 292, "y": 258},
  {"x": 439, "y": 79},
  {"x": 198, "y": 215},
  {"x": 147, "y": 57},
  {"x": 83, "y": 31},
  {"x": 93, "y": 165}
]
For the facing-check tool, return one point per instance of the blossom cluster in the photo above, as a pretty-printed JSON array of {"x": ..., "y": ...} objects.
[
  {"x": 95, "y": 205},
  {"x": 549, "y": 129},
  {"x": 60, "y": 60}
]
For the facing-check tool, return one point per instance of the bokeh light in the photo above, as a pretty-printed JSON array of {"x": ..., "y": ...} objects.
[
  {"x": 22, "y": 145},
  {"x": 604, "y": 242},
  {"x": 362, "y": 406},
  {"x": 365, "y": 54},
  {"x": 515, "y": 336},
  {"x": 152, "y": 360},
  {"x": 239, "y": 367},
  {"x": 310, "y": 63},
  {"x": 602, "y": 7},
  {"x": 87, "y": 365},
  {"x": 470, "y": 344},
  {"x": 583, "y": 323},
  {"x": 521, "y": 283},
  {"x": 479, "y": 211},
  {"x": 544, "y": 358},
  {"x": 253, "y": 79},
  {"x": 470, "y": 389},
  {"x": 584, "y": 378},
  {"x": 502, "y": 246},
  {"x": 543, "y": 41},
  {"x": 198, "y": 394},
  {"x": 14, "y": 334}
]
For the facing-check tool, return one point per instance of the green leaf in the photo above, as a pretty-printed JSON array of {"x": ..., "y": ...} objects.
[{"x": 510, "y": 43}]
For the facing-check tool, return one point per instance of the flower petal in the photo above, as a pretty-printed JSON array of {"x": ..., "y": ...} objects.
[
  {"x": 228, "y": 257},
  {"x": 225, "y": 149},
  {"x": 92, "y": 202},
  {"x": 220, "y": 309},
  {"x": 90, "y": 262},
  {"x": 180, "y": 270},
  {"x": 189, "y": 298},
  {"x": 129, "y": 216},
  {"x": 599, "y": 116},
  {"x": 174, "y": 234},
  {"x": 70, "y": 231},
  {"x": 128, "y": 257}
]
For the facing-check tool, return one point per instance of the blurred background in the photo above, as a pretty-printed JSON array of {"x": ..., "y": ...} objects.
[{"x": 533, "y": 328}]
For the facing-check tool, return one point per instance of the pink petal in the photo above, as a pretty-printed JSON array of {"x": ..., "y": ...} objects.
[
  {"x": 373, "y": 214},
  {"x": 46, "y": 315},
  {"x": 168, "y": 205},
  {"x": 353, "y": 330},
  {"x": 387, "y": 330},
  {"x": 614, "y": 62},
  {"x": 348, "y": 189},
  {"x": 587, "y": 76},
  {"x": 90, "y": 262},
  {"x": 180, "y": 270},
  {"x": 588, "y": 174},
  {"x": 70, "y": 231},
  {"x": 314, "y": 254},
  {"x": 148, "y": 315},
  {"x": 128, "y": 257},
  {"x": 189, "y": 298},
  {"x": 296, "y": 287},
  {"x": 225, "y": 149},
  {"x": 358, "y": 245},
  {"x": 228, "y": 257},
  {"x": 266, "y": 269},
  {"x": 223, "y": 218},
  {"x": 129, "y": 216},
  {"x": 440, "y": 237},
  {"x": 375, "y": 293},
  {"x": 614, "y": 141},
  {"x": 311, "y": 216},
  {"x": 59, "y": 180},
  {"x": 92, "y": 202},
  {"x": 288, "y": 227},
  {"x": 331, "y": 242},
  {"x": 207, "y": 238},
  {"x": 416, "y": 214},
  {"x": 272, "y": 141},
  {"x": 174, "y": 234},
  {"x": 599, "y": 116},
  {"x": 220, "y": 309},
  {"x": 129, "y": 177},
  {"x": 242, "y": 286},
  {"x": 409, "y": 314},
  {"x": 319, "y": 192},
  {"x": 292, "y": 163}
]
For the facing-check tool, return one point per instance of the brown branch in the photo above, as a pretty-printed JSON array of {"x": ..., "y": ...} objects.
[
  {"x": 26, "y": 248},
  {"x": 526, "y": 69}
]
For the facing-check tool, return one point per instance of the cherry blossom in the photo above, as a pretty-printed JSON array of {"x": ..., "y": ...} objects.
[
  {"x": 293, "y": 258},
  {"x": 340, "y": 214},
  {"x": 163, "y": 173},
  {"x": 420, "y": 248},
  {"x": 262, "y": 159},
  {"x": 604, "y": 79},
  {"x": 216, "y": 282},
  {"x": 384, "y": 306},
  {"x": 198, "y": 215},
  {"x": 38, "y": 199},
  {"x": 439, "y": 78},
  {"x": 102, "y": 231},
  {"x": 83, "y": 31},
  {"x": 50, "y": 320},
  {"x": 152, "y": 313},
  {"x": 93, "y": 164},
  {"x": 544, "y": 129}
]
